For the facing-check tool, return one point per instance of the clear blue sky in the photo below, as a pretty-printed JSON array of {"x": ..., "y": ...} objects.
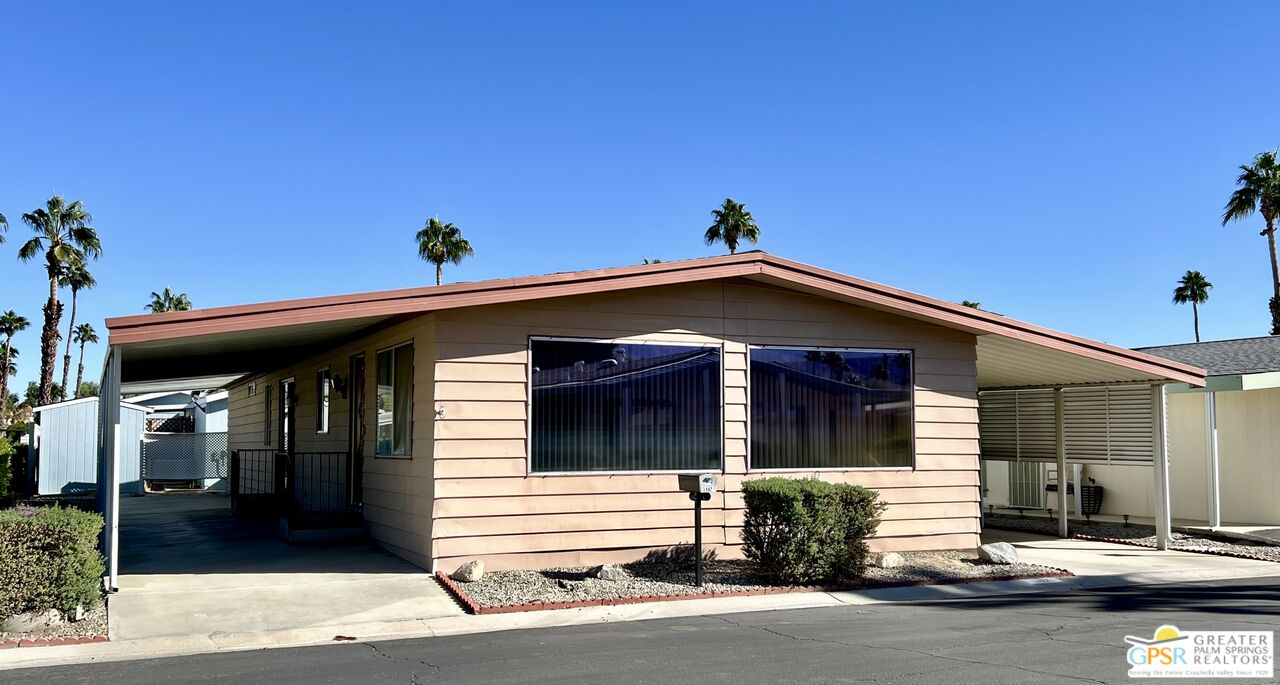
[{"x": 1062, "y": 163}]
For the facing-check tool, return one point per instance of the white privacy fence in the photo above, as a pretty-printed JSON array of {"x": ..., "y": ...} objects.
[{"x": 184, "y": 456}]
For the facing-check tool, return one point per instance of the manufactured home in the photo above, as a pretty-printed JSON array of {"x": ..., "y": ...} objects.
[{"x": 542, "y": 421}]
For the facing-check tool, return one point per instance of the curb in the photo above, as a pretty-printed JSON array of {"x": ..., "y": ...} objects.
[
  {"x": 51, "y": 641},
  {"x": 1214, "y": 552},
  {"x": 473, "y": 607}
]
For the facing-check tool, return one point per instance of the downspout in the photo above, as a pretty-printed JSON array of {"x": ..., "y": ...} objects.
[{"x": 1059, "y": 415}]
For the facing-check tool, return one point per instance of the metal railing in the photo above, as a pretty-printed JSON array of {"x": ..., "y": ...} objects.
[{"x": 299, "y": 483}]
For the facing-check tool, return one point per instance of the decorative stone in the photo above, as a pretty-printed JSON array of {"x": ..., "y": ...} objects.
[
  {"x": 998, "y": 553},
  {"x": 80, "y": 613},
  {"x": 610, "y": 572},
  {"x": 469, "y": 572},
  {"x": 29, "y": 621},
  {"x": 889, "y": 560}
]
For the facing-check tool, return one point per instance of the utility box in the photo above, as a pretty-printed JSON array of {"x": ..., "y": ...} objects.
[{"x": 701, "y": 484}]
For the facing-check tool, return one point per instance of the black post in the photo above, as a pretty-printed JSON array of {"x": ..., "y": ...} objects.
[{"x": 697, "y": 536}]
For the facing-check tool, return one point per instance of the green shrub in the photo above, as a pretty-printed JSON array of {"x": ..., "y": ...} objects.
[
  {"x": 49, "y": 559},
  {"x": 807, "y": 531},
  {"x": 6, "y": 468}
]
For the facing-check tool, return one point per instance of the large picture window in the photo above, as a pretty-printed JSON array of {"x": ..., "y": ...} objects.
[
  {"x": 609, "y": 406},
  {"x": 395, "y": 402},
  {"x": 830, "y": 408}
]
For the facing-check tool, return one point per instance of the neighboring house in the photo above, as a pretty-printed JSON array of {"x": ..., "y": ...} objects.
[
  {"x": 64, "y": 455},
  {"x": 1243, "y": 387},
  {"x": 541, "y": 421},
  {"x": 185, "y": 444}
]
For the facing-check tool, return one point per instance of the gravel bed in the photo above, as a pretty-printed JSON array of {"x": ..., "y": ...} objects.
[
  {"x": 498, "y": 588},
  {"x": 92, "y": 625},
  {"x": 1143, "y": 535}
]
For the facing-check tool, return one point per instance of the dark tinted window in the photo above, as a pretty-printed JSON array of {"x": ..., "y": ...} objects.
[
  {"x": 814, "y": 409},
  {"x": 603, "y": 406}
]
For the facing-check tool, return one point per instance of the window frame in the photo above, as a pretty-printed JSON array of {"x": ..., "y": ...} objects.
[
  {"x": 267, "y": 418},
  {"x": 528, "y": 406},
  {"x": 832, "y": 469},
  {"x": 378, "y": 351},
  {"x": 324, "y": 399}
]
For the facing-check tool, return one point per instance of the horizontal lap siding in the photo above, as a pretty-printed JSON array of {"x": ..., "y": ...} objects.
[
  {"x": 397, "y": 492},
  {"x": 487, "y": 506}
]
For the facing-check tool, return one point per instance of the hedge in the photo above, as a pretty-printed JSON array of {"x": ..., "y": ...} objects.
[
  {"x": 49, "y": 559},
  {"x": 6, "y": 469},
  {"x": 807, "y": 531}
]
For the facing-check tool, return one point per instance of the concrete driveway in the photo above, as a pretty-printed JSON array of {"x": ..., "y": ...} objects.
[{"x": 188, "y": 567}]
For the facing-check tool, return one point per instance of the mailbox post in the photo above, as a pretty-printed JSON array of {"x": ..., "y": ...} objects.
[{"x": 700, "y": 488}]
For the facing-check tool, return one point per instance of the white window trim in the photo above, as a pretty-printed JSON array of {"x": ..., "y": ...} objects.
[
  {"x": 833, "y": 469},
  {"x": 376, "y": 352},
  {"x": 528, "y": 406},
  {"x": 324, "y": 401}
]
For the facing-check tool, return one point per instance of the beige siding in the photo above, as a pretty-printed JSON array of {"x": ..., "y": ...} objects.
[
  {"x": 397, "y": 492},
  {"x": 487, "y": 505}
]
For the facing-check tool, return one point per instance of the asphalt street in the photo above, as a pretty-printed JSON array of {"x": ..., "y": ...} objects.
[{"x": 1074, "y": 637}]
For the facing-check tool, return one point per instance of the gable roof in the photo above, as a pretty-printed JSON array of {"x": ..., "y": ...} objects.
[
  {"x": 1225, "y": 357},
  {"x": 312, "y": 320}
]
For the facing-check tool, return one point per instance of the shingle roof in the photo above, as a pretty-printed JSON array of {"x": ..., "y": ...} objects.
[{"x": 1225, "y": 357}]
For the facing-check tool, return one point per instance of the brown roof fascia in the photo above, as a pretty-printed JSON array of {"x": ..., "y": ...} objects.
[{"x": 151, "y": 327}]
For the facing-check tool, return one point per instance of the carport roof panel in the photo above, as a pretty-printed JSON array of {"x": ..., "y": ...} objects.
[{"x": 252, "y": 332}]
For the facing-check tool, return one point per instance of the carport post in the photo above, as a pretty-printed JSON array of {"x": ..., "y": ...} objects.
[
  {"x": 1060, "y": 435},
  {"x": 1211, "y": 449},
  {"x": 109, "y": 461},
  {"x": 1160, "y": 459}
]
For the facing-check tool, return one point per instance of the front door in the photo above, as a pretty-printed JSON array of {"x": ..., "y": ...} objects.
[{"x": 355, "y": 405}]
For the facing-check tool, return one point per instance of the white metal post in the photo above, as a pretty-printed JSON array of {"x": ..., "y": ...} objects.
[
  {"x": 109, "y": 456},
  {"x": 1160, "y": 463},
  {"x": 1059, "y": 415},
  {"x": 1211, "y": 450}
]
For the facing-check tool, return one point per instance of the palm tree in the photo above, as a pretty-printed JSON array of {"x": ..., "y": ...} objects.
[
  {"x": 1258, "y": 190},
  {"x": 439, "y": 243},
  {"x": 77, "y": 278},
  {"x": 4, "y": 226},
  {"x": 10, "y": 325},
  {"x": 1193, "y": 288},
  {"x": 8, "y": 367},
  {"x": 733, "y": 223},
  {"x": 168, "y": 301},
  {"x": 64, "y": 236},
  {"x": 83, "y": 334},
  {"x": 971, "y": 304}
]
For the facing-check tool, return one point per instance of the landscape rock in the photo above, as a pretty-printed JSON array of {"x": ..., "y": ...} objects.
[
  {"x": 27, "y": 622},
  {"x": 610, "y": 572},
  {"x": 889, "y": 560},
  {"x": 469, "y": 572},
  {"x": 80, "y": 613},
  {"x": 998, "y": 553}
]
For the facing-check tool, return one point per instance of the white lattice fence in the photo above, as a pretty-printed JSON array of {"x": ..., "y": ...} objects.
[{"x": 184, "y": 456}]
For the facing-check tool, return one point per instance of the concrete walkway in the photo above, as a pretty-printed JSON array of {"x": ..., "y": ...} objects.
[
  {"x": 1095, "y": 565},
  {"x": 189, "y": 568}
]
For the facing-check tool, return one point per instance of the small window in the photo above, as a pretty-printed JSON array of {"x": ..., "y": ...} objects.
[
  {"x": 830, "y": 408},
  {"x": 395, "y": 402},
  {"x": 322, "y": 400},
  {"x": 266, "y": 416},
  {"x": 609, "y": 406},
  {"x": 253, "y": 389}
]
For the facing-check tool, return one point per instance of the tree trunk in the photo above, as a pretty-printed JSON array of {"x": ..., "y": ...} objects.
[
  {"x": 1274, "y": 305},
  {"x": 66, "y": 355},
  {"x": 439, "y": 273},
  {"x": 79, "y": 372},
  {"x": 1195, "y": 313},
  {"x": 49, "y": 342},
  {"x": 4, "y": 384}
]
